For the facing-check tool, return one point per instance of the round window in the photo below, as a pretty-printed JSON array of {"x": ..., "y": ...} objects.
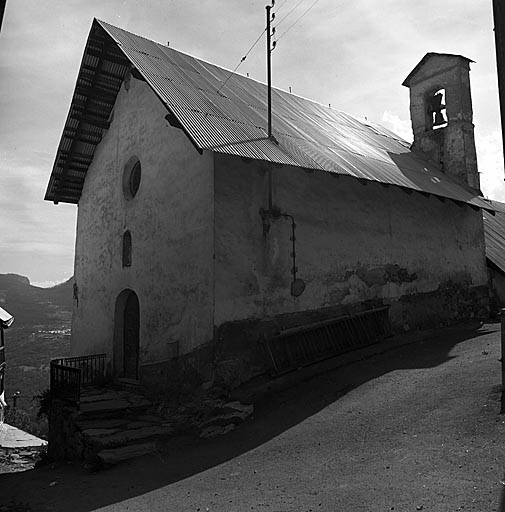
[{"x": 131, "y": 178}]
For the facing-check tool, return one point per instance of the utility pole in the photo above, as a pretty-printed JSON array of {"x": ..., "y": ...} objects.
[
  {"x": 270, "y": 49},
  {"x": 499, "y": 35}
]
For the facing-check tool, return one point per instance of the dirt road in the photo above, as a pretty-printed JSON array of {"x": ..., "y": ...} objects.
[{"x": 416, "y": 428}]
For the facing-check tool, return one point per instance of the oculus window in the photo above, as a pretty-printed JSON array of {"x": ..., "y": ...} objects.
[{"x": 131, "y": 178}]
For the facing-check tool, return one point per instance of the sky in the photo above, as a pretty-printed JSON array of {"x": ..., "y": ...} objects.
[{"x": 352, "y": 55}]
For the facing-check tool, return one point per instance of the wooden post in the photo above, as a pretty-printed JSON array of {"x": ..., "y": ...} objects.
[
  {"x": 269, "y": 71},
  {"x": 2, "y": 360},
  {"x": 15, "y": 399},
  {"x": 502, "y": 316},
  {"x": 499, "y": 34}
]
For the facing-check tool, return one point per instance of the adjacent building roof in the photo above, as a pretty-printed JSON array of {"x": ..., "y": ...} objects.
[
  {"x": 6, "y": 319},
  {"x": 229, "y": 115},
  {"x": 494, "y": 232}
]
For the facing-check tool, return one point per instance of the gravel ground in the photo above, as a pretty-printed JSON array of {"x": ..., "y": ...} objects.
[{"x": 416, "y": 428}]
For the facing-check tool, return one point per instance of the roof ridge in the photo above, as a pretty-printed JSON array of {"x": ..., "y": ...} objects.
[
  {"x": 278, "y": 89},
  {"x": 228, "y": 125}
]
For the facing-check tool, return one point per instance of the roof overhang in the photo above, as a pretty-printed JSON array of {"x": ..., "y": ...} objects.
[{"x": 103, "y": 68}]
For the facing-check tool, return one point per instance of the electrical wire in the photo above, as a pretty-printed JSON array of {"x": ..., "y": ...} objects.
[
  {"x": 295, "y": 7},
  {"x": 281, "y": 6},
  {"x": 297, "y": 20},
  {"x": 264, "y": 30},
  {"x": 242, "y": 59}
]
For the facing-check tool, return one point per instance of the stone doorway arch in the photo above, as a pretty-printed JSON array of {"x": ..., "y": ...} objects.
[{"x": 127, "y": 335}]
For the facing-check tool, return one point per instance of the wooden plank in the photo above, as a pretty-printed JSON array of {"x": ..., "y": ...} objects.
[
  {"x": 92, "y": 120},
  {"x": 74, "y": 180},
  {"x": 95, "y": 92},
  {"x": 117, "y": 59},
  {"x": 90, "y": 133},
  {"x": 85, "y": 140},
  {"x": 106, "y": 86},
  {"x": 75, "y": 155},
  {"x": 112, "y": 76},
  {"x": 71, "y": 186}
]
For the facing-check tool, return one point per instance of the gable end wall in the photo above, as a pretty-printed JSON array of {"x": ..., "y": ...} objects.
[{"x": 171, "y": 223}]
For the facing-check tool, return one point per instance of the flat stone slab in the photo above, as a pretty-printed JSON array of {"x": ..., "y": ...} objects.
[
  {"x": 97, "y": 397},
  {"x": 235, "y": 418},
  {"x": 99, "y": 423},
  {"x": 12, "y": 437},
  {"x": 115, "y": 455},
  {"x": 104, "y": 405},
  {"x": 131, "y": 435},
  {"x": 97, "y": 432},
  {"x": 116, "y": 404},
  {"x": 216, "y": 430},
  {"x": 138, "y": 424},
  {"x": 237, "y": 406},
  {"x": 149, "y": 418}
]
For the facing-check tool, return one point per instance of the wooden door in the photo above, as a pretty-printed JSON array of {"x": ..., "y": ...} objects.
[{"x": 131, "y": 337}]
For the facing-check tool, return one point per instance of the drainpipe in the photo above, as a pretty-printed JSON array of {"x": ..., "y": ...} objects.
[{"x": 275, "y": 213}]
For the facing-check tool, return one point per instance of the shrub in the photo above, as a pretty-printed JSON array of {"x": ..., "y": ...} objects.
[
  {"x": 21, "y": 419},
  {"x": 45, "y": 400}
]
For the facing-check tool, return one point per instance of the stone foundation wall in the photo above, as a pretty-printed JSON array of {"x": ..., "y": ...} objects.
[
  {"x": 238, "y": 353},
  {"x": 64, "y": 441}
]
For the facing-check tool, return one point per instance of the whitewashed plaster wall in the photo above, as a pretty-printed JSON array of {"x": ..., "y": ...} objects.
[
  {"x": 171, "y": 223},
  {"x": 354, "y": 242}
]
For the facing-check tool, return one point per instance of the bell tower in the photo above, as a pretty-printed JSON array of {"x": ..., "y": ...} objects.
[{"x": 441, "y": 114}]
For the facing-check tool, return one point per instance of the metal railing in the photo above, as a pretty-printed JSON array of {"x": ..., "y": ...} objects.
[{"x": 68, "y": 375}]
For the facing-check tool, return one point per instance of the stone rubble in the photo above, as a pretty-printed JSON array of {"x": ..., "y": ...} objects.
[
  {"x": 13, "y": 460},
  {"x": 117, "y": 425}
]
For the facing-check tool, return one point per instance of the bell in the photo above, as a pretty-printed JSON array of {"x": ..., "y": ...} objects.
[
  {"x": 435, "y": 108},
  {"x": 439, "y": 119}
]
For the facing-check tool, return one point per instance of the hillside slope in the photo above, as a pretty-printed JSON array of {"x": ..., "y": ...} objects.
[{"x": 41, "y": 332}]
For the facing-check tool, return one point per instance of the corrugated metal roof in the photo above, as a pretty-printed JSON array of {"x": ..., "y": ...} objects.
[
  {"x": 494, "y": 232},
  {"x": 231, "y": 118}
]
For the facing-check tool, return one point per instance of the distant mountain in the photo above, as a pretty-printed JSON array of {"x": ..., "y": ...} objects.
[{"x": 30, "y": 304}]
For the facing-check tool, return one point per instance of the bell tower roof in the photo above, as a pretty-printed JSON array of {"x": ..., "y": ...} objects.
[{"x": 413, "y": 75}]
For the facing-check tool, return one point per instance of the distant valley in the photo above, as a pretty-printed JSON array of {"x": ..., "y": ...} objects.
[{"x": 40, "y": 332}]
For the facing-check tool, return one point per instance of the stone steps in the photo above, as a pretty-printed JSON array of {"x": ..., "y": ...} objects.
[
  {"x": 115, "y": 425},
  {"x": 109, "y": 438},
  {"x": 112, "y": 404}
]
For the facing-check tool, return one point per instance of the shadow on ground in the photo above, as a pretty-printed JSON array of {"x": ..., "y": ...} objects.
[{"x": 70, "y": 487}]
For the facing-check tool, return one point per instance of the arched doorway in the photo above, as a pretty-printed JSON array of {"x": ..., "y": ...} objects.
[{"x": 126, "y": 335}]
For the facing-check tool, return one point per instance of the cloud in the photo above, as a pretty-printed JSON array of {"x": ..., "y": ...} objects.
[{"x": 399, "y": 126}]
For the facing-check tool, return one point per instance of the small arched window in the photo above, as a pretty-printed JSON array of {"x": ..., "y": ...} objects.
[
  {"x": 127, "y": 249},
  {"x": 131, "y": 178}
]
